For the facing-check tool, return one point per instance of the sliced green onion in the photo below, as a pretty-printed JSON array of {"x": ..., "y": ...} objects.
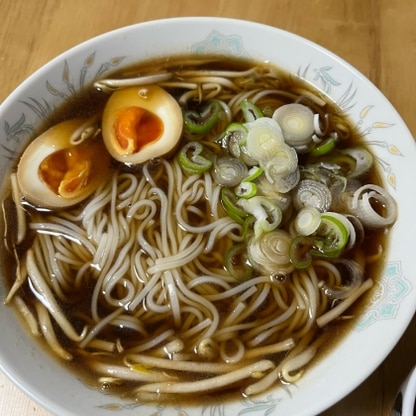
[
  {"x": 286, "y": 183},
  {"x": 194, "y": 158},
  {"x": 307, "y": 221},
  {"x": 340, "y": 162},
  {"x": 300, "y": 251},
  {"x": 315, "y": 172},
  {"x": 321, "y": 124},
  {"x": 264, "y": 138},
  {"x": 310, "y": 193},
  {"x": 265, "y": 188},
  {"x": 235, "y": 140},
  {"x": 324, "y": 147},
  {"x": 297, "y": 123},
  {"x": 363, "y": 161},
  {"x": 237, "y": 129},
  {"x": 267, "y": 213},
  {"x": 250, "y": 111},
  {"x": 229, "y": 171},
  {"x": 269, "y": 253},
  {"x": 346, "y": 220},
  {"x": 374, "y": 206},
  {"x": 235, "y": 136},
  {"x": 202, "y": 122},
  {"x": 248, "y": 227},
  {"x": 253, "y": 173},
  {"x": 328, "y": 241},
  {"x": 332, "y": 237},
  {"x": 282, "y": 162},
  {"x": 237, "y": 262},
  {"x": 229, "y": 202},
  {"x": 246, "y": 189}
]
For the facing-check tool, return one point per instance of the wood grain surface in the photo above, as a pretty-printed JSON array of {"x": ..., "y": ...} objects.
[{"x": 378, "y": 37}]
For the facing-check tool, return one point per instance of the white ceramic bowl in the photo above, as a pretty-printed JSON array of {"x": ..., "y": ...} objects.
[{"x": 394, "y": 298}]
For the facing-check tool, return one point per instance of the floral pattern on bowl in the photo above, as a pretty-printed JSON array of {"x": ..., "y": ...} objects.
[
  {"x": 389, "y": 291},
  {"x": 220, "y": 44},
  {"x": 19, "y": 129}
]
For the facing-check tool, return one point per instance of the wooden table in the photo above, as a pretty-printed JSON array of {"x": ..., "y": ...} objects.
[{"x": 376, "y": 36}]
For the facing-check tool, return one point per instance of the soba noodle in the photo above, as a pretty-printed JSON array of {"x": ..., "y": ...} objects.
[{"x": 132, "y": 282}]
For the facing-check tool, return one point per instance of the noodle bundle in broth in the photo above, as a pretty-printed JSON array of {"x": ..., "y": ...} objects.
[{"x": 215, "y": 261}]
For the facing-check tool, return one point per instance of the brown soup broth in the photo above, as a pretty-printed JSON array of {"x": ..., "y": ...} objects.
[{"x": 90, "y": 102}]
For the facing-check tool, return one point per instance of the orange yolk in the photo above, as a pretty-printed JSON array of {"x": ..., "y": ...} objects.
[
  {"x": 136, "y": 128},
  {"x": 67, "y": 171}
]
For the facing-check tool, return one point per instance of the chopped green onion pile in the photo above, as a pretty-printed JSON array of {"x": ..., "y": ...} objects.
[{"x": 287, "y": 183}]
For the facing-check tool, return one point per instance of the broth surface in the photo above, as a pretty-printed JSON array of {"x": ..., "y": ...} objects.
[{"x": 125, "y": 339}]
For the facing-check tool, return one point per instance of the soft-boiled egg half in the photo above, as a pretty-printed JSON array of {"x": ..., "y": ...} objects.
[
  {"x": 141, "y": 123},
  {"x": 54, "y": 173}
]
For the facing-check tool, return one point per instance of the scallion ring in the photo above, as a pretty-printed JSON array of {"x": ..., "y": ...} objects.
[
  {"x": 331, "y": 237},
  {"x": 310, "y": 193},
  {"x": 246, "y": 189},
  {"x": 297, "y": 123},
  {"x": 346, "y": 221},
  {"x": 250, "y": 111},
  {"x": 237, "y": 263},
  {"x": 363, "y": 161},
  {"x": 307, "y": 221},
  {"x": 374, "y": 206},
  {"x": 269, "y": 253},
  {"x": 194, "y": 158},
  {"x": 264, "y": 138},
  {"x": 282, "y": 162},
  {"x": 267, "y": 213},
  {"x": 229, "y": 202},
  {"x": 202, "y": 122},
  {"x": 229, "y": 171},
  {"x": 253, "y": 173},
  {"x": 235, "y": 140},
  {"x": 324, "y": 147},
  {"x": 300, "y": 251}
]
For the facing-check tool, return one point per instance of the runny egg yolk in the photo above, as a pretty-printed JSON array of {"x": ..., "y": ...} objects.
[
  {"x": 67, "y": 171},
  {"x": 135, "y": 128}
]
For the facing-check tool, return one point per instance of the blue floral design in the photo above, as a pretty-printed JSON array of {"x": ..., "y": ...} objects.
[
  {"x": 217, "y": 43},
  {"x": 389, "y": 292},
  {"x": 323, "y": 75}
]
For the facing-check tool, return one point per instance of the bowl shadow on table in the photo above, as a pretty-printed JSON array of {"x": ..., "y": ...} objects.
[{"x": 384, "y": 382}]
